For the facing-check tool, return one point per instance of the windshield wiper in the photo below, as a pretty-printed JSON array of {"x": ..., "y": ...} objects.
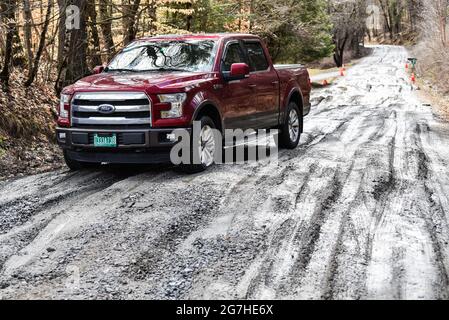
[
  {"x": 170, "y": 70},
  {"x": 121, "y": 70},
  {"x": 148, "y": 70}
]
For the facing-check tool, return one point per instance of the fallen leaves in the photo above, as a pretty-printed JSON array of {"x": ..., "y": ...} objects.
[{"x": 27, "y": 124}]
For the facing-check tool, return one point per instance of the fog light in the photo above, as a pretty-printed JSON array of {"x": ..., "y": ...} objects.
[
  {"x": 62, "y": 136},
  {"x": 171, "y": 137}
]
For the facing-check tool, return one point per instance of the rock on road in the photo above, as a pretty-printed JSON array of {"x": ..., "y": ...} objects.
[{"x": 358, "y": 211}]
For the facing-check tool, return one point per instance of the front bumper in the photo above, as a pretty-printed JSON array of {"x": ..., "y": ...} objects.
[{"x": 136, "y": 146}]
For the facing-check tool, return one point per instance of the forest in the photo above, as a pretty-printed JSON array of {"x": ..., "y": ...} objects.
[{"x": 42, "y": 39}]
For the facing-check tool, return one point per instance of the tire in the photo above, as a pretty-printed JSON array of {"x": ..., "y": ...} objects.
[
  {"x": 75, "y": 165},
  {"x": 291, "y": 129},
  {"x": 206, "y": 123}
]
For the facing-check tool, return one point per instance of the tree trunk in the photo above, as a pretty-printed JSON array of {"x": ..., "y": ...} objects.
[
  {"x": 129, "y": 20},
  {"x": 443, "y": 15},
  {"x": 387, "y": 18},
  {"x": 74, "y": 65},
  {"x": 27, "y": 32},
  {"x": 62, "y": 4},
  {"x": 106, "y": 28},
  {"x": 189, "y": 18},
  {"x": 152, "y": 14},
  {"x": 35, "y": 68},
  {"x": 9, "y": 7},
  {"x": 96, "y": 55},
  {"x": 340, "y": 51}
]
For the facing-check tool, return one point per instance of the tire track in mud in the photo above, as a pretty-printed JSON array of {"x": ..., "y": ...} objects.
[
  {"x": 351, "y": 229},
  {"x": 398, "y": 217},
  {"x": 308, "y": 230},
  {"x": 183, "y": 236},
  {"x": 47, "y": 205},
  {"x": 436, "y": 215},
  {"x": 30, "y": 236},
  {"x": 277, "y": 237},
  {"x": 267, "y": 266},
  {"x": 20, "y": 210},
  {"x": 306, "y": 236},
  {"x": 230, "y": 246},
  {"x": 373, "y": 196}
]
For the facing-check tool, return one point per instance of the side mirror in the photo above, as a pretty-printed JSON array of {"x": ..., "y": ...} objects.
[
  {"x": 238, "y": 71},
  {"x": 98, "y": 69}
]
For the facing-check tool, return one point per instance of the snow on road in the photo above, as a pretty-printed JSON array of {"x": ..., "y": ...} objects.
[{"x": 358, "y": 211}]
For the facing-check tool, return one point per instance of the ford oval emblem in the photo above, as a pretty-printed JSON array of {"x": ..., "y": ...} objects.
[{"x": 106, "y": 108}]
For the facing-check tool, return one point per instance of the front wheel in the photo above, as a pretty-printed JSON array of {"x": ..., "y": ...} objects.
[
  {"x": 291, "y": 130},
  {"x": 205, "y": 148}
]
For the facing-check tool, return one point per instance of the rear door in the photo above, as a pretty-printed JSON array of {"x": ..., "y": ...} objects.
[
  {"x": 237, "y": 95},
  {"x": 265, "y": 82}
]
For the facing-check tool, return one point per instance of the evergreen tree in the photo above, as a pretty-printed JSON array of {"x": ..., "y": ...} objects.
[{"x": 294, "y": 30}]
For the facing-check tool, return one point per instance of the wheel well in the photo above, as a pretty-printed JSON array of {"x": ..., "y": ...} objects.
[
  {"x": 212, "y": 112},
  {"x": 296, "y": 97}
]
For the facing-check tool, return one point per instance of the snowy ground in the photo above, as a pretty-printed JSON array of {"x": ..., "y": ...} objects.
[{"x": 358, "y": 211}]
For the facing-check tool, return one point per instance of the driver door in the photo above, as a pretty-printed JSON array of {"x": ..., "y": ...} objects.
[{"x": 240, "y": 108}]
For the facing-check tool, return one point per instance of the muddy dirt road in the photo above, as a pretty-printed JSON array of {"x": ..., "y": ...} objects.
[{"x": 358, "y": 211}]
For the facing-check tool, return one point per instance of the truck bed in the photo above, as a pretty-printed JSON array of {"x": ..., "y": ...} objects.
[{"x": 298, "y": 73}]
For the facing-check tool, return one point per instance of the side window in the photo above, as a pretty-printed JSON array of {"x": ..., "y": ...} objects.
[
  {"x": 234, "y": 54},
  {"x": 257, "y": 56}
]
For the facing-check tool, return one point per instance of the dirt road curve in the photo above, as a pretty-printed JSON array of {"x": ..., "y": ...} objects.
[{"x": 359, "y": 210}]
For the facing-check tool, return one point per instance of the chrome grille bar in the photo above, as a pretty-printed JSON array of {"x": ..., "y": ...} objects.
[
  {"x": 110, "y": 96},
  {"x": 140, "y": 108},
  {"x": 110, "y": 121}
]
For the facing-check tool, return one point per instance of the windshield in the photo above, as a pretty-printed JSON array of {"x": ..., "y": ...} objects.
[{"x": 190, "y": 56}]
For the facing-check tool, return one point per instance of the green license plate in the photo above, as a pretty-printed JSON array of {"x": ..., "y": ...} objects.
[{"x": 105, "y": 140}]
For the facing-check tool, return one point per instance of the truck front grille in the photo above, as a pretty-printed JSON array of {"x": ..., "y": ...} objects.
[{"x": 100, "y": 109}]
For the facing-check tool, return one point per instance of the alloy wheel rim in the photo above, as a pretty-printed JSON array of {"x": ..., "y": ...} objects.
[
  {"x": 207, "y": 146},
  {"x": 293, "y": 125}
]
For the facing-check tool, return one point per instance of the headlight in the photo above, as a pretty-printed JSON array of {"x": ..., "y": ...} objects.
[
  {"x": 64, "y": 106},
  {"x": 176, "y": 101}
]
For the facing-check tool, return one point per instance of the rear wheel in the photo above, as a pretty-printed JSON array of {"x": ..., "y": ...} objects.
[
  {"x": 290, "y": 131},
  {"x": 75, "y": 165},
  {"x": 205, "y": 148}
]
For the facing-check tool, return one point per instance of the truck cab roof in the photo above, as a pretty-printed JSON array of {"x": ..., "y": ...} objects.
[{"x": 200, "y": 36}]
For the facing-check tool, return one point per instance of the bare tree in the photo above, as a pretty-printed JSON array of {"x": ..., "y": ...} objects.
[
  {"x": 27, "y": 33},
  {"x": 74, "y": 65},
  {"x": 441, "y": 8},
  {"x": 349, "y": 20},
  {"x": 106, "y": 26},
  {"x": 130, "y": 11},
  {"x": 432, "y": 51},
  {"x": 8, "y": 12},
  {"x": 37, "y": 59},
  {"x": 95, "y": 38}
]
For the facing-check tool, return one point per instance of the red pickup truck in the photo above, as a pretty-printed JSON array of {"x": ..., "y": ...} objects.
[{"x": 126, "y": 112}]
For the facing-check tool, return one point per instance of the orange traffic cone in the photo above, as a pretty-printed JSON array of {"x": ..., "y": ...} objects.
[
  {"x": 413, "y": 78},
  {"x": 406, "y": 66}
]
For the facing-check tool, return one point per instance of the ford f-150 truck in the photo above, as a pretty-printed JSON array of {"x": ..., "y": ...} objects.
[{"x": 126, "y": 112}]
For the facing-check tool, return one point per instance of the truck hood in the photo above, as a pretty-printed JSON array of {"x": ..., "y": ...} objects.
[{"x": 147, "y": 81}]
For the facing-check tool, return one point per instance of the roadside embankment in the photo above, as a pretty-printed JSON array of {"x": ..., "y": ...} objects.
[{"x": 27, "y": 124}]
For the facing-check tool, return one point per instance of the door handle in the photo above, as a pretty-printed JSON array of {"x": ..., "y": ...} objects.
[
  {"x": 275, "y": 83},
  {"x": 252, "y": 86}
]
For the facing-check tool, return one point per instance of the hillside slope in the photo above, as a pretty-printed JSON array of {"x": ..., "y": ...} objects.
[{"x": 27, "y": 143}]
